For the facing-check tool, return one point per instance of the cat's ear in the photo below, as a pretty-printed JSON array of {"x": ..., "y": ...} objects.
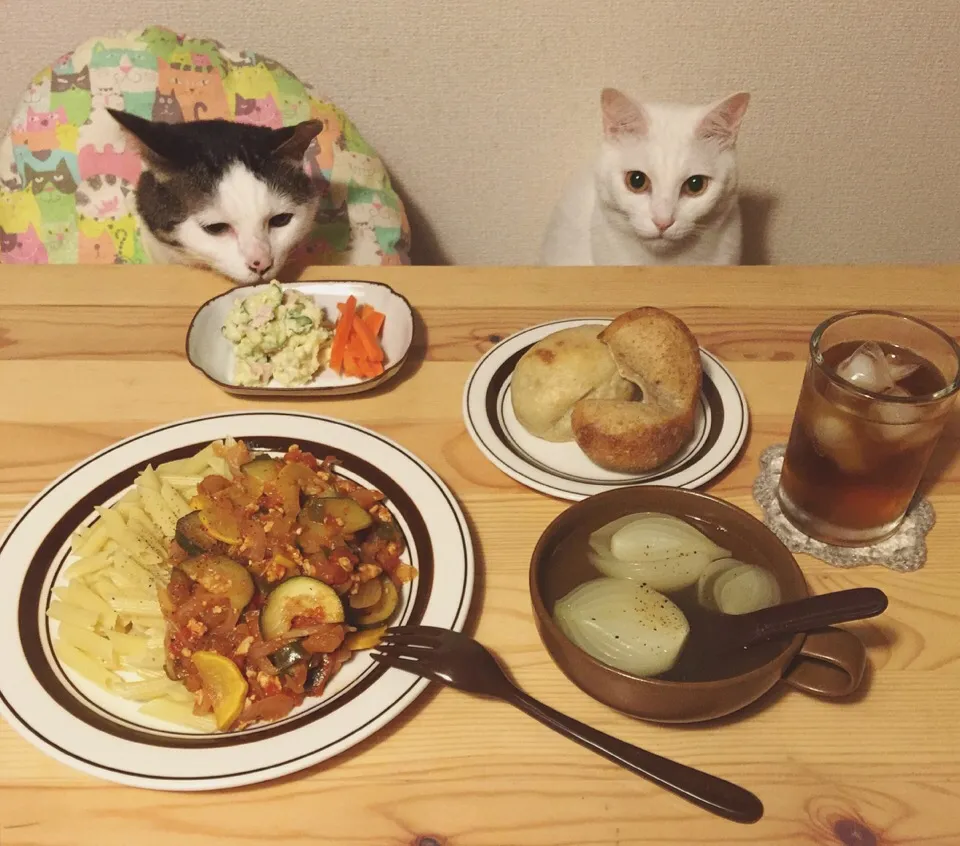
[
  {"x": 153, "y": 138},
  {"x": 621, "y": 116},
  {"x": 721, "y": 123},
  {"x": 292, "y": 141}
]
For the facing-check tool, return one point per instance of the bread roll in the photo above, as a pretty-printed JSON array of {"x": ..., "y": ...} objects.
[
  {"x": 557, "y": 372},
  {"x": 657, "y": 352}
]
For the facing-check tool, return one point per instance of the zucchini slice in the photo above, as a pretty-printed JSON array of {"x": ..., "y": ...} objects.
[
  {"x": 224, "y": 684},
  {"x": 387, "y": 604},
  {"x": 366, "y": 639},
  {"x": 220, "y": 522},
  {"x": 298, "y": 596},
  {"x": 221, "y": 576},
  {"x": 316, "y": 534},
  {"x": 287, "y": 656},
  {"x": 368, "y": 594},
  {"x": 263, "y": 468},
  {"x": 317, "y": 508},
  {"x": 388, "y": 532},
  {"x": 193, "y": 537},
  {"x": 354, "y": 518}
]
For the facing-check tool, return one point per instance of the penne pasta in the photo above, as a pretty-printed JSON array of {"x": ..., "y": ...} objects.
[
  {"x": 134, "y": 513},
  {"x": 87, "y": 566},
  {"x": 129, "y": 498},
  {"x": 110, "y": 627},
  {"x": 151, "y": 689},
  {"x": 159, "y": 511},
  {"x": 93, "y": 541},
  {"x": 118, "y": 530},
  {"x": 152, "y": 660},
  {"x": 126, "y": 605},
  {"x": 79, "y": 594},
  {"x": 177, "y": 504},
  {"x": 87, "y": 641},
  {"x": 187, "y": 484},
  {"x": 73, "y": 614},
  {"x": 219, "y": 466},
  {"x": 149, "y": 479},
  {"x": 86, "y": 666},
  {"x": 125, "y": 644},
  {"x": 180, "y": 713}
]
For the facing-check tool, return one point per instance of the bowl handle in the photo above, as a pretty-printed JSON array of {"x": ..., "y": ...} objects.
[{"x": 830, "y": 663}]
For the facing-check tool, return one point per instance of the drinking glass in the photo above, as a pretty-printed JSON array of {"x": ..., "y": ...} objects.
[{"x": 867, "y": 420}]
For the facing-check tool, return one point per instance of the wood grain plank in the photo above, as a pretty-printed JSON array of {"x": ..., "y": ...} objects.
[{"x": 89, "y": 356}]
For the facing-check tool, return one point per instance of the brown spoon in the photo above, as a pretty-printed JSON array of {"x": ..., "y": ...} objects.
[
  {"x": 717, "y": 635},
  {"x": 456, "y": 660},
  {"x": 733, "y": 631}
]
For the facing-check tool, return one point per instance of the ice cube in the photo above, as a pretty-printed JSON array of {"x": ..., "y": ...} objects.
[
  {"x": 899, "y": 370},
  {"x": 872, "y": 369},
  {"x": 867, "y": 367},
  {"x": 836, "y": 439}
]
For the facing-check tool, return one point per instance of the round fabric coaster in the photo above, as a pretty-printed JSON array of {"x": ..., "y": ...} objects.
[{"x": 904, "y": 551}]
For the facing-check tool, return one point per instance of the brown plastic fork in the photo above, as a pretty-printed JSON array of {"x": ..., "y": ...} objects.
[{"x": 454, "y": 659}]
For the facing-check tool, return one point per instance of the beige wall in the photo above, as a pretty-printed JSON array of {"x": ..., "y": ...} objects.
[{"x": 850, "y": 150}]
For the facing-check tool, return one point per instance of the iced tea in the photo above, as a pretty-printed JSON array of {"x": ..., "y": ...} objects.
[{"x": 874, "y": 401}]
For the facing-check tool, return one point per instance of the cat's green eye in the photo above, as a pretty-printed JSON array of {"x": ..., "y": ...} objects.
[
  {"x": 216, "y": 228},
  {"x": 696, "y": 185},
  {"x": 279, "y": 220},
  {"x": 636, "y": 181}
]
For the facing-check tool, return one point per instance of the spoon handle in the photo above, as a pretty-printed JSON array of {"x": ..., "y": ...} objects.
[
  {"x": 814, "y": 612},
  {"x": 720, "y": 797}
]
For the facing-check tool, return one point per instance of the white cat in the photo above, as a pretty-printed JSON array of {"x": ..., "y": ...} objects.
[{"x": 662, "y": 190}]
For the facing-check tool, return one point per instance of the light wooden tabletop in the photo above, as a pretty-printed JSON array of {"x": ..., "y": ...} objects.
[{"x": 91, "y": 355}]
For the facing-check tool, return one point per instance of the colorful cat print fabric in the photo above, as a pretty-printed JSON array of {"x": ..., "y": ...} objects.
[{"x": 67, "y": 172}]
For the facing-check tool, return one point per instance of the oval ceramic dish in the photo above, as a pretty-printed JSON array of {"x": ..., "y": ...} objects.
[{"x": 213, "y": 355}]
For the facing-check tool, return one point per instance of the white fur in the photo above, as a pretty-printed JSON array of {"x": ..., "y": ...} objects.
[
  {"x": 246, "y": 203},
  {"x": 598, "y": 220}
]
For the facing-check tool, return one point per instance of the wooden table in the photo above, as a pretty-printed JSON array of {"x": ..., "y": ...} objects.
[{"x": 88, "y": 356}]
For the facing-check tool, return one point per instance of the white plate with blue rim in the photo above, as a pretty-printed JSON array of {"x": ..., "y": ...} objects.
[
  {"x": 562, "y": 469},
  {"x": 81, "y": 724}
]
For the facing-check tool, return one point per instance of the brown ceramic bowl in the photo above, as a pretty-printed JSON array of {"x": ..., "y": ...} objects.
[{"x": 829, "y": 662}]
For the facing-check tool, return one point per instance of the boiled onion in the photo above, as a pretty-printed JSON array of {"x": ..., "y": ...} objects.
[
  {"x": 706, "y": 584},
  {"x": 624, "y": 624},
  {"x": 732, "y": 587},
  {"x": 662, "y": 551}
]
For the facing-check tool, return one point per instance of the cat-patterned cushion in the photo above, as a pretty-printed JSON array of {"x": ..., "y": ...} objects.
[{"x": 67, "y": 171}]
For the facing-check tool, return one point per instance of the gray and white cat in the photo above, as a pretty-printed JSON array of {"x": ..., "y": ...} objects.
[
  {"x": 223, "y": 195},
  {"x": 661, "y": 190}
]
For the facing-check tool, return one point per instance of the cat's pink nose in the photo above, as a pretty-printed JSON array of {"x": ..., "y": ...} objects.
[
  {"x": 663, "y": 225},
  {"x": 261, "y": 267}
]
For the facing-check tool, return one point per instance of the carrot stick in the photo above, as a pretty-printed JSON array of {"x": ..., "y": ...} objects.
[
  {"x": 371, "y": 348},
  {"x": 342, "y": 333},
  {"x": 355, "y": 345},
  {"x": 351, "y": 367},
  {"x": 374, "y": 319}
]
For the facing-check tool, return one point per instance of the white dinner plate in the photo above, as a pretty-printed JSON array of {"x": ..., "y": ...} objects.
[
  {"x": 562, "y": 469},
  {"x": 97, "y": 732}
]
